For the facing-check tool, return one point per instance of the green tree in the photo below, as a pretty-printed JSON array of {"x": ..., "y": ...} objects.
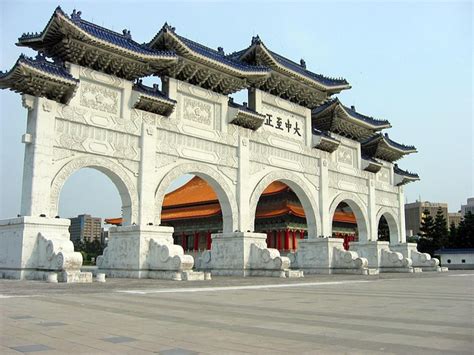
[
  {"x": 465, "y": 232},
  {"x": 426, "y": 243},
  {"x": 427, "y": 225},
  {"x": 453, "y": 235},
  {"x": 440, "y": 230}
]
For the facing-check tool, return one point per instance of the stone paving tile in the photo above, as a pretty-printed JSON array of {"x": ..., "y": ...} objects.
[
  {"x": 119, "y": 339},
  {"x": 178, "y": 351},
  {"x": 51, "y": 324},
  {"x": 31, "y": 348},
  {"x": 21, "y": 317}
]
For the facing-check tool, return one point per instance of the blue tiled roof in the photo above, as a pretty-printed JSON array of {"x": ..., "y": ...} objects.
[
  {"x": 351, "y": 112},
  {"x": 399, "y": 171},
  {"x": 322, "y": 133},
  {"x": 455, "y": 251},
  {"x": 40, "y": 63},
  {"x": 289, "y": 64},
  {"x": 397, "y": 145},
  {"x": 151, "y": 91},
  {"x": 244, "y": 107},
  {"x": 123, "y": 40},
  {"x": 301, "y": 70},
  {"x": 211, "y": 53}
]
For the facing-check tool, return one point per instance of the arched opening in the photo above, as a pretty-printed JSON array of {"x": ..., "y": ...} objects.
[
  {"x": 191, "y": 206},
  {"x": 383, "y": 233},
  {"x": 344, "y": 224},
  {"x": 348, "y": 219},
  {"x": 387, "y": 230},
  {"x": 281, "y": 216},
  {"x": 89, "y": 198}
]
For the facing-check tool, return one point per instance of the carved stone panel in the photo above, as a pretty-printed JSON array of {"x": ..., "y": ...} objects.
[{"x": 100, "y": 98}]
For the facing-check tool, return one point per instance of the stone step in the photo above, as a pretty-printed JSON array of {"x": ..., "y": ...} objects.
[{"x": 294, "y": 273}]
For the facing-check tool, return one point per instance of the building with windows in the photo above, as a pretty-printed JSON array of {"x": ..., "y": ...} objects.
[
  {"x": 414, "y": 214},
  {"x": 468, "y": 207},
  {"x": 84, "y": 228}
]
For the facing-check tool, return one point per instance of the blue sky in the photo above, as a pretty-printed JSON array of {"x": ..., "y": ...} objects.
[{"x": 408, "y": 62}]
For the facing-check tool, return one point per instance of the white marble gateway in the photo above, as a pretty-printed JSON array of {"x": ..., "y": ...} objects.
[{"x": 86, "y": 107}]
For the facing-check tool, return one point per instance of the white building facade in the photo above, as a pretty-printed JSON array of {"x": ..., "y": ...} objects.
[{"x": 87, "y": 108}]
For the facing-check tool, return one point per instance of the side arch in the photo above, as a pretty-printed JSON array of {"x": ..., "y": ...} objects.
[
  {"x": 126, "y": 187},
  {"x": 302, "y": 190},
  {"x": 357, "y": 206},
  {"x": 224, "y": 190},
  {"x": 390, "y": 216}
]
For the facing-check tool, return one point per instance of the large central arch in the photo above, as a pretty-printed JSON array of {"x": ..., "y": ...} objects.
[
  {"x": 125, "y": 186},
  {"x": 356, "y": 204},
  {"x": 302, "y": 190},
  {"x": 222, "y": 188}
]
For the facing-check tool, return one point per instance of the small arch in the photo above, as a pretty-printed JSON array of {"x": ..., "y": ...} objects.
[
  {"x": 356, "y": 204},
  {"x": 390, "y": 217},
  {"x": 125, "y": 186},
  {"x": 302, "y": 190},
  {"x": 224, "y": 191}
]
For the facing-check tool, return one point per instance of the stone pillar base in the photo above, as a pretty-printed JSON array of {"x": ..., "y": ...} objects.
[
  {"x": 379, "y": 256},
  {"x": 327, "y": 256},
  {"x": 145, "y": 252},
  {"x": 244, "y": 254},
  {"x": 420, "y": 260},
  {"x": 33, "y": 247}
]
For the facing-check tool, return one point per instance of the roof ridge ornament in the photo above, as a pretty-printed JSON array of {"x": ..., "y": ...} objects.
[
  {"x": 170, "y": 28},
  {"x": 220, "y": 50},
  {"x": 303, "y": 63},
  {"x": 256, "y": 40},
  {"x": 76, "y": 15},
  {"x": 126, "y": 33}
]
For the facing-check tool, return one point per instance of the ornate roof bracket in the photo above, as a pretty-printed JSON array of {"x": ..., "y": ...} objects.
[
  {"x": 371, "y": 165},
  {"x": 382, "y": 147},
  {"x": 324, "y": 141},
  {"x": 243, "y": 116},
  {"x": 152, "y": 100},
  {"x": 403, "y": 177},
  {"x": 39, "y": 77},
  {"x": 333, "y": 116}
]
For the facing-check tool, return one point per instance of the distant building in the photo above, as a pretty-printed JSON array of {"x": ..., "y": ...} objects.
[
  {"x": 85, "y": 228},
  {"x": 456, "y": 258},
  {"x": 469, "y": 207},
  {"x": 455, "y": 217},
  {"x": 414, "y": 214}
]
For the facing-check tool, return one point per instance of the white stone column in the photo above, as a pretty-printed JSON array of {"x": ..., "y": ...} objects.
[
  {"x": 402, "y": 237},
  {"x": 37, "y": 169},
  {"x": 372, "y": 227},
  {"x": 324, "y": 203},
  {"x": 147, "y": 178},
  {"x": 243, "y": 190}
]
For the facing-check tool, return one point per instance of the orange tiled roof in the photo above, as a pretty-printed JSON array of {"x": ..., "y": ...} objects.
[{"x": 197, "y": 199}]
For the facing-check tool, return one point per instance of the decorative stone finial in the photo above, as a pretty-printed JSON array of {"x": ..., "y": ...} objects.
[
  {"x": 220, "y": 50},
  {"x": 303, "y": 63},
  {"x": 76, "y": 15},
  {"x": 127, "y": 34},
  {"x": 256, "y": 39},
  {"x": 40, "y": 56}
]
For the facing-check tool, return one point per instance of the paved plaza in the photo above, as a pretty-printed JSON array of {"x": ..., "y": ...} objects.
[{"x": 390, "y": 313}]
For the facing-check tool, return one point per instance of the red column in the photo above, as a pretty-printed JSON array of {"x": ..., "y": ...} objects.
[
  {"x": 293, "y": 234},
  {"x": 279, "y": 239},
  {"x": 196, "y": 240},
  {"x": 268, "y": 239},
  {"x": 287, "y": 239},
  {"x": 301, "y": 234},
  {"x": 208, "y": 240},
  {"x": 183, "y": 242}
]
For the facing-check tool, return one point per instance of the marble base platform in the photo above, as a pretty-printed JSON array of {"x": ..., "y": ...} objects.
[
  {"x": 33, "y": 247},
  {"x": 146, "y": 252},
  {"x": 244, "y": 254}
]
